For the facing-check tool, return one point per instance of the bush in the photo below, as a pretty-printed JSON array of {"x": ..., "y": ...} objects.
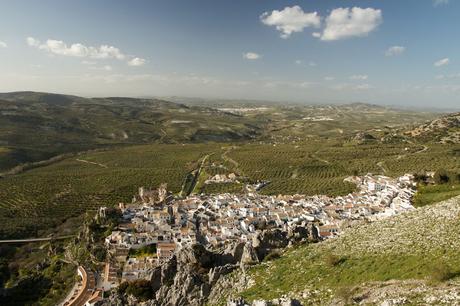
[
  {"x": 141, "y": 289},
  {"x": 347, "y": 294},
  {"x": 441, "y": 177},
  {"x": 273, "y": 255},
  {"x": 443, "y": 272},
  {"x": 334, "y": 260},
  {"x": 122, "y": 287}
]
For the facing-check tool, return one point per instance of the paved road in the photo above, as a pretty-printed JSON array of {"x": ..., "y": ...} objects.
[{"x": 36, "y": 239}]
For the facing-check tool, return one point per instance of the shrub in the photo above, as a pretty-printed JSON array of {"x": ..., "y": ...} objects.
[
  {"x": 273, "y": 255},
  {"x": 441, "y": 177},
  {"x": 334, "y": 260},
  {"x": 347, "y": 294},
  {"x": 442, "y": 272},
  {"x": 141, "y": 289}
]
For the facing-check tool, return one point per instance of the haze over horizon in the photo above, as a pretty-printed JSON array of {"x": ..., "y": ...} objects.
[{"x": 389, "y": 53}]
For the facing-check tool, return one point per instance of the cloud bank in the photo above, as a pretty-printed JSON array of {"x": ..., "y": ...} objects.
[
  {"x": 59, "y": 47},
  {"x": 341, "y": 23}
]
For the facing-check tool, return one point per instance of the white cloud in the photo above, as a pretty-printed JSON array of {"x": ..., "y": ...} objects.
[
  {"x": 329, "y": 78},
  {"x": 316, "y": 34},
  {"x": 137, "y": 61},
  {"x": 302, "y": 63},
  {"x": 3, "y": 44},
  {"x": 359, "y": 77},
  {"x": 351, "y": 22},
  {"x": 442, "y": 62},
  {"x": 59, "y": 47},
  {"x": 251, "y": 56},
  {"x": 395, "y": 50},
  {"x": 440, "y": 2},
  {"x": 32, "y": 42},
  {"x": 290, "y": 20}
]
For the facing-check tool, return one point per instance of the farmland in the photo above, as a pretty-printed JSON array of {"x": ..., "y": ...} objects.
[
  {"x": 70, "y": 154},
  {"x": 37, "y": 200}
]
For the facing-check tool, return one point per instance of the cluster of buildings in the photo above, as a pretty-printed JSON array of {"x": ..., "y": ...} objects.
[
  {"x": 222, "y": 178},
  {"x": 155, "y": 224}
]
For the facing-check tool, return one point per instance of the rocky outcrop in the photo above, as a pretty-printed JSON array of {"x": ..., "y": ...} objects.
[
  {"x": 195, "y": 273},
  {"x": 275, "y": 302}
]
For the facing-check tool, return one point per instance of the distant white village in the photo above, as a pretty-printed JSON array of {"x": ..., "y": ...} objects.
[{"x": 163, "y": 224}]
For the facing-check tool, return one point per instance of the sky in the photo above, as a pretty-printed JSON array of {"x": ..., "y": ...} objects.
[{"x": 393, "y": 52}]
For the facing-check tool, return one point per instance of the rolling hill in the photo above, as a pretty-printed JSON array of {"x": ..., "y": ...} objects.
[
  {"x": 445, "y": 129},
  {"x": 36, "y": 126}
]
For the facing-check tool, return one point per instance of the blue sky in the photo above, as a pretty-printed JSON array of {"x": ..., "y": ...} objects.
[{"x": 317, "y": 51}]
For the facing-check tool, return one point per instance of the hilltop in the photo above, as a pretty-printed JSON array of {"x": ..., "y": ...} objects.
[{"x": 411, "y": 258}]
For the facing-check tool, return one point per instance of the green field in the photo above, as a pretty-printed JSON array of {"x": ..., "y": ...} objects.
[
  {"x": 430, "y": 194},
  {"x": 34, "y": 202},
  {"x": 42, "y": 198}
]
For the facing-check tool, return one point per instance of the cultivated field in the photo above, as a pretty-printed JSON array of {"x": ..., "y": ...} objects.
[{"x": 37, "y": 200}]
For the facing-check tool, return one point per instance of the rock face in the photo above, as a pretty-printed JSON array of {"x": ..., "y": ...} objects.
[
  {"x": 276, "y": 302},
  {"x": 363, "y": 137},
  {"x": 192, "y": 274}
]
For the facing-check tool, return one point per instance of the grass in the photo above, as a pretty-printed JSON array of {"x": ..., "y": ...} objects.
[
  {"x": 298, "y": 271},
  {"x": 430, "y": 194},
  {"x": 405, "y": 247}
]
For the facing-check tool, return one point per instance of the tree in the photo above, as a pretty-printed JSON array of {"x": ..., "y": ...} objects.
[
  {"x": 141, "y": 289},
  {"x": 441, "y": 177}
]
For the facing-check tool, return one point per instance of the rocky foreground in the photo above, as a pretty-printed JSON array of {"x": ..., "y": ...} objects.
[
  {"x": 194, "y": 273},
  {"x": 238, "y": 276},
  {"x": 427, "y": 236}
]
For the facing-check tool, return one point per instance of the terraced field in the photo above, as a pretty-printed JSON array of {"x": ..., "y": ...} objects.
[
  {"x": 37, "y": 200},
  {"x": 44, "y": 197}
]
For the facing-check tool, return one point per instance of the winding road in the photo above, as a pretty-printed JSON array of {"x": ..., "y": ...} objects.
[{"x": 28, "y": 240}]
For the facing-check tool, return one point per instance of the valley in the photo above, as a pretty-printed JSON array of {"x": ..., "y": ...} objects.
[{"x": 291, "y": 152}]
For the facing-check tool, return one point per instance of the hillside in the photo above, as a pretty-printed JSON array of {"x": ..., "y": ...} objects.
[
  {"x": 411, "y": 258},
  {"x": 37, "y": 126},
  {"x": 35, "y": 201},
  {"x": 444, "y": 130}
]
